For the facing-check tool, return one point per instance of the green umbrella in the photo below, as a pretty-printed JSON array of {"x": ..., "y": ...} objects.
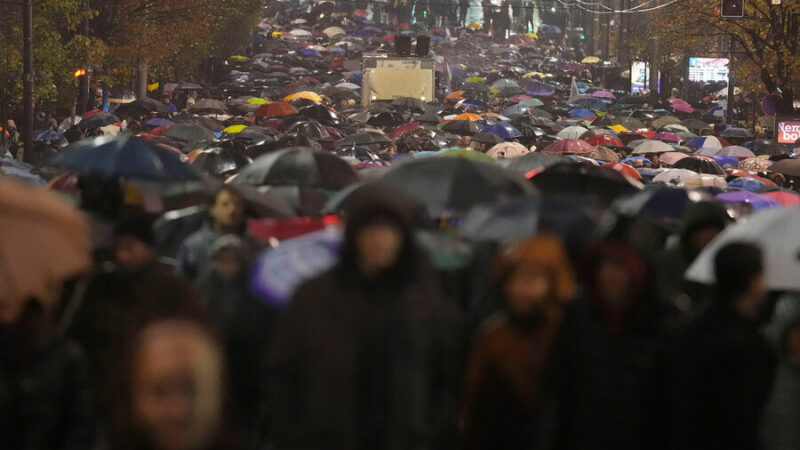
[{"x": 475, "y": 80}]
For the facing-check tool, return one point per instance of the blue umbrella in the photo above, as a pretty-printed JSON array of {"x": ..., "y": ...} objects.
[
  {"x": 158, "y": 122},
  {"x": 457, "y": 73},
  {"x": 337, "y": 50},
  {"x": 475, "y": 103},
  {"x": 310, "y": 52},
  {"x": 727, "y": 160},
  {"x": 51, "y": 138},
  {"x": 502, "y": 129},
  {"x": 368, "y": 31},
  {"x": 715, "y": 112},
  {"x": 539, "y": 89},
  {"x": 124, "y": 156},
  {"x": 550, "y": 29},
  {"x": 632, "y": 160},
  {"x": 748, "y": 184},
  {"x": 436, "y": 37},
  {"x": 20, "y": 171},
  {"x": 592, "y": 103},
  {"x": 515, "y": 110},
  {"x": 582, "y": 113}
]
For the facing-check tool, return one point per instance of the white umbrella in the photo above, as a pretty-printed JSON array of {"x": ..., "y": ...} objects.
[
  {"x": 707, "y": 151},
  {"x": 672, "y": 157},
  {"x": 713, "y": 180},
  {"x": 679, "y": 178},
  {"x": 333, "y": 31},
  {"x": 505, "y": 150},
  {"x": 573, "y": 132},
  {"x": 653, "y": 147},
  {"x": 300, "y": 32},
  {"x": 775, "y": 232},
  {"x": 348, "y": 86}
]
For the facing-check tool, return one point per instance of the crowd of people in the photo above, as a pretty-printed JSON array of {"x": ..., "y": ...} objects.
[{"x": 513, "y": 265}]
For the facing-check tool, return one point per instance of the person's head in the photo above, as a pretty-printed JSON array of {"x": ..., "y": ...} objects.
[
  {"x": 166, "y": 100},
  {"x": 378, "y": 239},
  {"x": 227, "y": 210},
  {"x": 535, "y": 274},
  {"x": 227, "y": 255},
  {"x": 176, "y": 386},
  {"x": 702, "y": 222},
  {"x": 739, "y": 272},
  {"x": 616, "y": 275},
  {"x": 134, "y": 245}
]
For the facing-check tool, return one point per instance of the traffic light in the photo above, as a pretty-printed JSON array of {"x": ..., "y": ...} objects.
[
  {"x": 583, "y": 36},
  {"x": 732, "y": 8}
]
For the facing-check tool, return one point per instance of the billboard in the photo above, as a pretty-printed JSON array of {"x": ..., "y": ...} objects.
[
  {"x": 788, "y": 131},
  {"x": 704, "y": 70},
  {"x": 640, "y": 77}
]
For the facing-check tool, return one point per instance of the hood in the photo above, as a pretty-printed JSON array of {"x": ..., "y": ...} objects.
[
  {"x": 699, "y": 215},
  {"x": 374, "y": 203}
]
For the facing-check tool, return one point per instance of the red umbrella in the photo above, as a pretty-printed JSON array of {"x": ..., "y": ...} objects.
[
  {"x": 647, "y": 133},
  {"x": 519, "y": 97},
  {"x": 624, "y": 169},
  {"x": 388, "y": 38},
  {"x": 275, "y": 109},
  {"x": 92, "y": 112},
  {"x": 605, "y": 140},
  {"x": 784, "y": 198},
  {"x": 403, "y": 129},
  {"x": 629, "y": 136},
  {"x": 569, "y": 146}
]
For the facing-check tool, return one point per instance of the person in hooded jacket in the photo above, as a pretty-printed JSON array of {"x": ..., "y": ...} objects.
[
  {"x": 724, "y": 367},
  {"x": 505, "y": 400},
  {"x": 365, "y": 355},
  {"x": 779, "y": 425},
  {"x": 610, "y": 356}
]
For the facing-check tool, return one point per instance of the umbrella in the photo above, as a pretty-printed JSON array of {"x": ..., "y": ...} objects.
[
  {"x": 298, "y": 167},
  {"x": 189, "y": 132},
  {"x": 668, "y": 137},
  {"x": 569, "y": 146},
  {"x": 98, "y": 120},
  {"x": 700, "y": 165},
  {"x": 462, "y": 127},
  {"x": 604, "y": 139},
  {"x": 694, "y": 124},
  {"x": 679, "y": 178},
  {"x": 208, "y": 106},
  {"x": 507, "y": 221},
  {"x": 333, "y": 31},
  {"x": 275, "y": 109},
  {"x": 539, "y": 89},
  {"x": 468, "y": 116},
  {"x": 652, "y": 147},
  {"x": 751, "y": 184},
  {"x": 774, "y": 231},
  {"x": 234, "y": 129},
  {"x": 582, "y": 113},
  {"x": 127, "y": 157},
  {"x": 142, "y": 107},
  {"x": 670, "y": 158},
  {"x": 603, "y": 154},
  {"x": 624, "y": 169},
  {"x": 755, "y": 164},
  {"x": 632, "y": 100},
  {"x": 533, "y": 162},
  {"x": 322, "y": 114},
  {"x": 219, "y": 161},
  {"x": 364, "y": 138},
  {"x": 704, "y": 141},
  {"x": 592, "y": 103},
  {"x": 308, "y": 95},
  {"x": 310, "y": 129},
  {"x": 455, "y": 184},
  {"x": 403, "y": 129},
  {"x": 386, "y": 119},
  {"x": 785, "y": 198},
  {"x": 737, "y": 151},
  {"x": 507, "y": 150},
  {"x": 487, "y": 138},
  {"x": 21, "y": 171},
  {"x": 789, "y": 167},
  {"x": 52, "y": 138},
  {"x": 409, "y": 103},
  {"x": 737, "y": 133},
  {"x": 45, "y": 242},
  {"x": 158, "y": 122},
  {"x": 584, "y": 179},
  {"x": 502, "y": 129},
  {"x": 573, "y": 132}
]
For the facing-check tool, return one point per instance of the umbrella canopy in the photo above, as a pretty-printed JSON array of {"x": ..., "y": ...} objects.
[
  {"x": 502, "y": 129},
  {"x": 364, "y": 138},
  {"x": 128, "y": 157},
  {"x": 705, "y": 141},
  {"x": 603, "y": 154},
  {"x": 584, "y": 179},
  {"x": 533, "y": 162},
  {"x": 275, "y": 109},
  {"x": 737, "y": 133},
  {"x": 97, "y": 120},
  {"x": 298, "y": 167},
  {"x": 652, "y": 147},
  {"x": 755, "y": 164},
  {"x": 785, "y": 198},
  {"x": 574, "y": 132},
  {"x": 679, "y": 178},
  {"x": 409, "y": 103},
  {"x": 606, "y": 140},
  {"x": 737, "y": 151},
  {"x": 624, "y": 169},
  {"x": 308, "y": 95},
  {"x": 539, "y": 89},
  {"x": 208, "y": 106},
  {"x": 219, "y": 161},
  {"x": 189, "y": 132},
  {"x": 462, "y": 127},
  {"x": 787, "y": 167},
  {"x": 569, "y": 146},
  {"x": 670, "y": 158},
  {"x": 507, "y": 221},
  {"x": 700, "y": 165},
  {"x": 507, "y": 150},
  {"x": 47, "y": 242},
  {"x": 774, "y": 231},
  {"x": 468, "y": 116},
  {"x": 455, "y": 184},
  {"x": 694, "y": 124}
]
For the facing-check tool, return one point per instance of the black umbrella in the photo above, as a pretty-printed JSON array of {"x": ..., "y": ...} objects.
[
  {"x": 142, "y": 107},
  {"x": 789, "y": 167},
  {"x": 364, "y": 138},
  {"x": 632, "y": 100},
  {"x": 189, "y": 132},
  {"x": 533, "y": 162},
  {"x": 455, "y": 184},
  {"x": 700, "y": 165},
  {"x": 220, "y": 162},
  {"x": 309, "y": 128},
  {"x": 429, "y": 117},
  {"x": 694, "y": 124},
  {"x": 322, "y": 114},
  {"x": 205, "y": 122},
  {"x": 585, "y": 179},
  {"x": 386, "y": 119},
  {"x": 98, "y": 120},
  {"x": 487, "y": 138},
  {"x": 409, "y": 103},
  {"x": 298, "y": 167},
  {"x": 462, "y": 127},
  {"x": 208, "y": 106}
]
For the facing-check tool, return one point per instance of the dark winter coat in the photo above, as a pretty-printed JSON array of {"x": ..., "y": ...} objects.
[
  {"x": 724, "y": 373},
  {"x": 366, "y": 364}
]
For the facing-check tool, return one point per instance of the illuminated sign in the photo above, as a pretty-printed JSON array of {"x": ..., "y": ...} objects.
[
  {"x": 708, "y": 69},
  {"x": 788, "y": 132}
]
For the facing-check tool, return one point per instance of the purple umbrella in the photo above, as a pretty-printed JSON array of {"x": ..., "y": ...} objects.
[
  {"x": 755, "y": 200},
  {"x": 669, "y": 137},
  {"x": 604, "y": 94},
  {"x": 539, "y": 89}
]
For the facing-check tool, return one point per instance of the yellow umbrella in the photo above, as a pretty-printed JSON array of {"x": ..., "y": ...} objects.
[
  {"x": 257, "y": 101},
  {"x": 590, "y": 60},
  {"x": 233, "y": 129},
  {"x": 534, "y": 74},
  {"x": 618, "y": 128},
  {"x": 475, "y": 26},
  {"x": 533, "y": 35},
  {"x": 306, "y": 95}
]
